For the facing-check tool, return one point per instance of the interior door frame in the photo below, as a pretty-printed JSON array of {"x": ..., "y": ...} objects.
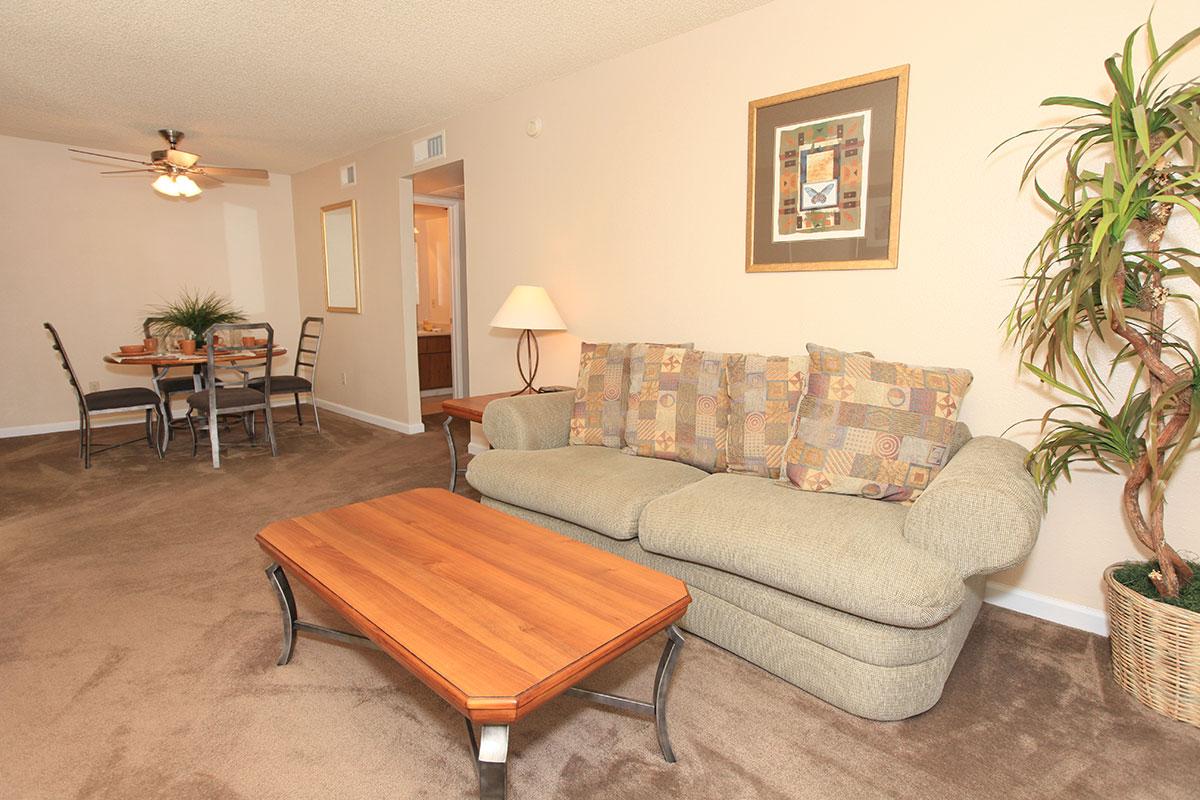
[{"x": 458, "y": 282}]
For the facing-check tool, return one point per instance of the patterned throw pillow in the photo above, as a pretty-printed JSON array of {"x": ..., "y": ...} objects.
[
  {"x": 598, "y": 417},
  {"x": 764, "y": 392},
  {"x": 599, "y": 413},
  {"x": 873, "y": 428},
  {"x": 678, "y": 405}
]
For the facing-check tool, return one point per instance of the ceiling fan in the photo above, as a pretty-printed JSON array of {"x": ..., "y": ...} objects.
[{"x": 176, "y": 168}]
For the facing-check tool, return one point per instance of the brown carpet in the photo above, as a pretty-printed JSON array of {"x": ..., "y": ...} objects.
[{"x": 138, "y": 638}]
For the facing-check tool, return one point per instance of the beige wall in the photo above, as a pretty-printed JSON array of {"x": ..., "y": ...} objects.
[
  {"x": 374, "y": 350},
  {"x": 90, "y": 253},
  {"x": 630, "y": 209}
]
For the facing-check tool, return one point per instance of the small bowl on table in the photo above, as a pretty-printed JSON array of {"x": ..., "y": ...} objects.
[{"x": 133, "y": 349}]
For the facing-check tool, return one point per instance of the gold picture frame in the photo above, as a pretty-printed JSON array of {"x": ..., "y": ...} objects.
[
  {"x": 855, "y": 221},
  {"x": 339, "y": 232}
]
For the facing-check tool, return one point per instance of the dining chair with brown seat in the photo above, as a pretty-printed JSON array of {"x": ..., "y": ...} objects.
[
  {"x": 225, "y": 399},
  {"x": 296, "y": 384},
  {"x": 131, "y": 398}
]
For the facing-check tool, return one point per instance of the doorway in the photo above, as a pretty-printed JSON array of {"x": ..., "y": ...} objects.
[
  {"x": 435, "y": 316},
  {"x": 438, "y": 201}
]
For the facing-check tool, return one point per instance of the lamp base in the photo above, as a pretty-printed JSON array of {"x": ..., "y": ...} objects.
[{"x": 529, "y": 367}]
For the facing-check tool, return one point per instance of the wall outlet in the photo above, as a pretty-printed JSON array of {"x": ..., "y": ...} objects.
[
  {"x": 345, "y": 380},
  {"x": 93, "y": 386}
]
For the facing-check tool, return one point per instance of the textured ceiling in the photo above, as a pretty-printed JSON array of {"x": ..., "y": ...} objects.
[{"x": 287, "y": 85}]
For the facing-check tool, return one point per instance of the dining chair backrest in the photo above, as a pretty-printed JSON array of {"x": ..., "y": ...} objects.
[
  {"x": 309, "y": 348},
  {"x": 66, "y": 363},
  {"x": 232, "y": 333}
]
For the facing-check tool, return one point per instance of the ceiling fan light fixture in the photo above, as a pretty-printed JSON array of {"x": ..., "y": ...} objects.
[
  {"x": 165, "y": 184},
  {"x": 186, "y": 186},
  {"x": 175, "y": 186}
]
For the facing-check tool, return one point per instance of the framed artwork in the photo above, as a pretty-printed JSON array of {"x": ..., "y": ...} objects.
[{"x": 824, "y": 176}]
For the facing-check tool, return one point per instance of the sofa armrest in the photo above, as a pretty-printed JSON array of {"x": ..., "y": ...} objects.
[
  {"x": 983, "y": 510},
  {"x": 529, "y": 421}
]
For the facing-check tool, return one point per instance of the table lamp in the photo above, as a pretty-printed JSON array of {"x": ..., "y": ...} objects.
[{"x": 528, "y": 309}]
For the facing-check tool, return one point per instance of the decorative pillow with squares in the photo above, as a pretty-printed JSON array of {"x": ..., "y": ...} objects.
[
  {"x": 598, "y": 417},
  {"x": 764, "y": 392},
  {"x": 873, "y": 428},
  {"x": 678, "y": 405}
]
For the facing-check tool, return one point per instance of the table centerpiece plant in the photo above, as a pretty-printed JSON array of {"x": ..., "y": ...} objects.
[
  {"x": 194, "y": 314},
  {"x": 1101, "y": 278}
]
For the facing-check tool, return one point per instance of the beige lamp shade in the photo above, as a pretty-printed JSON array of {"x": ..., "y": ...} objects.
[{"x": 528, "y": 308}]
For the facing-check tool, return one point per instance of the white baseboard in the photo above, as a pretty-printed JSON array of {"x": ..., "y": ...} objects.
[
  {"x": 102, "y": 420},
  {"x": 374, "y": 419},
  {"x": 56, "y": 427},
  {"x": 1073, "y": 615}
]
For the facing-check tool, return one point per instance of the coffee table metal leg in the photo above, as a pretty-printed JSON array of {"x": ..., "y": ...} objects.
[
  {"x": 287, "y": 607},
  {"x": 493, "y": 762},
  {"x": 656, "y": 709},
  {"x": 453, "y": 453},
  {"x": 491, "y": 759},
  {"x": 662, "y": 681}
]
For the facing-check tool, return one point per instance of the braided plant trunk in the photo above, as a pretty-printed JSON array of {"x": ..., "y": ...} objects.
[{"x": 1173, "y": 571}]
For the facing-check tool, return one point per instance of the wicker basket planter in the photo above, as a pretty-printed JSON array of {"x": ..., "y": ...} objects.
[{"x": 1155, "y": 650}]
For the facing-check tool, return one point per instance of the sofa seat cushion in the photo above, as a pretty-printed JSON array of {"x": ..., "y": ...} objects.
[
  {"x": 598, "y": 487},
  {"x": 845, "y": 552}
]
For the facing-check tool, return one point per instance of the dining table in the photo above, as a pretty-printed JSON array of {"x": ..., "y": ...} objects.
[{"x": 161, "y": 363}]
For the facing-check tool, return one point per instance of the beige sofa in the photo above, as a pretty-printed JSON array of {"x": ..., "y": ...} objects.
[{"x": 863, "y": 603}]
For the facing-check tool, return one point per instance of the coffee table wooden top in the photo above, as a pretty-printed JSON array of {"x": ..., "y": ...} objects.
[{"x": 493, "y": 613}]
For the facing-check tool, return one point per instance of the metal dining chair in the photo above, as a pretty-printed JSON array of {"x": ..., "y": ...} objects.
[
  {"x": 223, "y": 399},
  {"x": 168, "y": 385},
  {"x": 132, "y": 398},
  {"x": 307, "y": 352}
]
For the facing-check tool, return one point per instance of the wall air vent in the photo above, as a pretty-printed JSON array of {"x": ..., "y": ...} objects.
[
  {"x": 430, "y": 148},
  {"x": 349, "y": 175}
]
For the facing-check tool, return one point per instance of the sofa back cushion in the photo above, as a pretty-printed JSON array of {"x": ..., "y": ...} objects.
[
  {"x": 601, "y": 394},
  {"x": 763, "y": 394},
  {"x": 678, "y": 405},
  {"x": 873, "y": 428}
]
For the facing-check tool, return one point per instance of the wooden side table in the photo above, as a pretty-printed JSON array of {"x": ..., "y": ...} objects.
[{"x": 470, "y": 409}]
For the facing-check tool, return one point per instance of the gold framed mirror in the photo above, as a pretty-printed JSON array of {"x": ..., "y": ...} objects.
[{"x": 339, "y": 223}]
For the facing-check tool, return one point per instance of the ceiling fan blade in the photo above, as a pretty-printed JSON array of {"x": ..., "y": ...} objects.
[
  {"x": 232, "y": 172},
  {"x": 105, "y": 155},
  {"x": 125, "y": 171}
]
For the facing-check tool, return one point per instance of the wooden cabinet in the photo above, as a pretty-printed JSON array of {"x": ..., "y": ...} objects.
[{"x": 434, "y": 365}]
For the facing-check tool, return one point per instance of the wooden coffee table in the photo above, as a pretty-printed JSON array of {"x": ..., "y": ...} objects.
[{"x": 495, "y": 614}]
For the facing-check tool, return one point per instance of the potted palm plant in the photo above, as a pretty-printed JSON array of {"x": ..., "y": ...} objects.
[
  {"x": 194, "y": 314},
  {"x": 1103, "y": 282}
]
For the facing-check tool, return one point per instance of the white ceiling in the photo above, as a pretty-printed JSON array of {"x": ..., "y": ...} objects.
[{"x": 287, "y": 85}]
